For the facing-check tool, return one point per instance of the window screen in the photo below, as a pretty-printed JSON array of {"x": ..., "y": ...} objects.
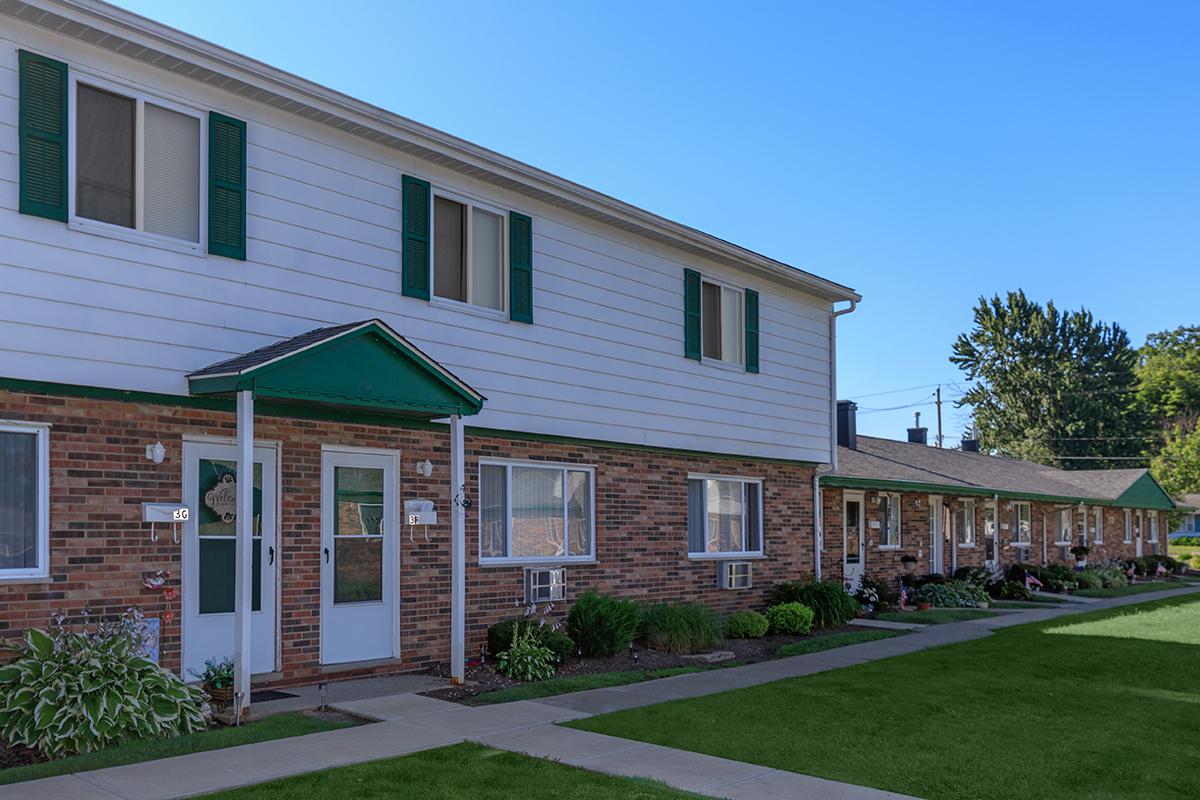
[
  {"x": 449, "y": 249},
  {"x": 172, "y": 174},
  {"x": 487, "y": 248},
  {"x": 104, "y": 160}
]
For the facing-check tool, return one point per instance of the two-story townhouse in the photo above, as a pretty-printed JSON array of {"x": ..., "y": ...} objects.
[{"x": 459, "y": 382}]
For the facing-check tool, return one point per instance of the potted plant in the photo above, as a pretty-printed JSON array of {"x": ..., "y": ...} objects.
[
  {"x": 909, "y": 563},
  {"x": 1080, "y": 551},
  {"x": 217, "y": 680},
  {"x": 925, "y": 598}
]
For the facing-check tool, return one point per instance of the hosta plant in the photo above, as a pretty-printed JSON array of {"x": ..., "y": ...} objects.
[
  {"x": 526, "y": 659},
  {"x": 73, "y": 691}
]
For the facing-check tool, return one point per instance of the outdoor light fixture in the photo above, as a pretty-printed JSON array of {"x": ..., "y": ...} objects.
[
  {"x": 156, "y": 452},
  {"x": 425, "y": 468},
  {"x": 323, "y": 688}
]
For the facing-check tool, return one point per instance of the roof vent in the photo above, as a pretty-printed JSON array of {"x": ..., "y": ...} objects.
[
  {"x": 847, "y": 434},
  {"x": 970, "y": 445},
  {"x": 917, "y": 434}
]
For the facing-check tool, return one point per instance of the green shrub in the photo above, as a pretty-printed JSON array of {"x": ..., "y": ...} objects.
[
  {"x": 746, "y": 625},
  {"x": 681, "y": 628},
  {"x": 939, "y": 594},
  {"x": 1088, "y": 580},
  {"x": 1186, "y": 541},
  {"x": 830, "y": 603},
  {"x": 500, "y": 637},
  {"x": 790, "y": 618},
  {"x": 73, "y": 691},
  {"x": 526, "y": 660},
  {"x": 968, "y": 595},
  {"x": 975, "y": 577},
  {"x": 602, "y": 625},
  {"x": 1013, "y": 590}
]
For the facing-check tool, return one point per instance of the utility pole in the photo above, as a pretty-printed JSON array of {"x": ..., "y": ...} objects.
[{"x": 939, "y": 413}]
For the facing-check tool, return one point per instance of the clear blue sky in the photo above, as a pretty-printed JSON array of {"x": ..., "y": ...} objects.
[{"x": 922, "y": 152}]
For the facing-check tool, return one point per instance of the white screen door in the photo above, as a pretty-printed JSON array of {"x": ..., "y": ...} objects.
[
  {"x": 937, "y": 532},
  {"x": 852, "y": 551},
  {"x": 359, "y": 556},
  {"x": 210, "y": 491}
]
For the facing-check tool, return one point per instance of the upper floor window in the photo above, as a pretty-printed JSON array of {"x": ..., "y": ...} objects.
[
  {"x": 24, "y": 503},
  {"x": 137, "y": 163},
  {"x": 536, "y": 512},
  {"x": 468, "y": 252},
  {"x": 724, "y": 516},
  {"x": 721, "y": 322}
]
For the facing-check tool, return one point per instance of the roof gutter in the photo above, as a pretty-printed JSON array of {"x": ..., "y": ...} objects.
[{"x": 818, "y": 520}]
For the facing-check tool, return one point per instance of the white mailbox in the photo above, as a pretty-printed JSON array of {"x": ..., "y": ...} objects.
[
  {"x": 173, "y": 514},
  {"x": 419, "y": 512}
]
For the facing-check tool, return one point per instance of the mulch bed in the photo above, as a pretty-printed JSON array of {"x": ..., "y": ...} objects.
[
  {"x": 18, "y": 756},
  {"x": 482, "y": 678}
]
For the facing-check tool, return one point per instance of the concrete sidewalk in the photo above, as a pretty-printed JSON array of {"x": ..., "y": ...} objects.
[{"x": 408, "y": 723}]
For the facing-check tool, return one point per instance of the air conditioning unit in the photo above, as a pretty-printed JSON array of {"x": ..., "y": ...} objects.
[
  {"x": 545, "y": 585},
  {"x": 733, "y": 575}
]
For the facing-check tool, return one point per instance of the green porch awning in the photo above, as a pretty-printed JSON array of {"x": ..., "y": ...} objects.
[{"x": 360, "y": 365}]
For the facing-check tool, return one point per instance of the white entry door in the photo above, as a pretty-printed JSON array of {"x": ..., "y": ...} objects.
[
  {"x": 937, "y": 532},
  {"x": 991, "y": 552},
  {"x": 852, "y": 548},
  {"x": 359, "y": 555},
  {"x": 1137, "y": 532},
  {"x": 209, "y": 545}
]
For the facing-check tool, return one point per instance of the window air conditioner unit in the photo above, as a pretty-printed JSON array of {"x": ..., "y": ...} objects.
[
  {"x": 733, "y": 575},
  {"x": 545, "y": 585}
]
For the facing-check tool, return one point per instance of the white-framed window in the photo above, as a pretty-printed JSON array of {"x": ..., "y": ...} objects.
[
  {"x": 1022, "y": 524},
  {"x": 1062, "y": 532},
  {"x": 1153, "y": 515},
  {"x": 1128, "y": 526},
  {"x": 136, "y": 165},
  {"x": 965, "y": 522},
  {"x": 531, "y": 511},
  {"x": 470, "y": 239},
  {"x": 724, "y": 516},
  {"x": 1098, "y": 530},
  {"x": 889, "y": 529},
  {"x": 1137, "y": 524},
  {"x": 721, "y": 328},
  {"x": 24, "y": 501}
]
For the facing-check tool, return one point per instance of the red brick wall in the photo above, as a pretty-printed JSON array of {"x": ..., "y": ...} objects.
[{"x": 100, "y": 549}]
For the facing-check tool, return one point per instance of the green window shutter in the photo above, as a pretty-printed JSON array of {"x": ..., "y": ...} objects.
[
  {"x": 751, "y": 317},
  {"x": 691, "y": 314},
  {"x": 226, "y": 186},
  {"x": 520, "y": 267},
  {"x": 42, "y": 130},
  {"x": 415, "y": 216}
]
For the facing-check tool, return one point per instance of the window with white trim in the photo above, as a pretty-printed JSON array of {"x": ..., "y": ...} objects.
[
  {"x": 1062, "y": 533},
  {"x": 721, "y": 322},
  {"x": 1128, "y": 526},
  {"x": 965, "y": 522},
  {"x": 532, "y": 512},
  {"x": 136, "y": 164},
  {"x": 889, "y": 530},
  {"x": 724, "y": 516},
  {"x": 24, "y": 501},
  {"x": 1098, "y": 530},
  {"x": 1153, "y": 515},
  {"x": 1022, "y": 524},
  {"x": 468, "y": 251}
]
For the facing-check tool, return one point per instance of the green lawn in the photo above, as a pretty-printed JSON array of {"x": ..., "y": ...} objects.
[
  {"x": 935, "y": 616},
  {"x": 1101, "y": 705},
  {"x": 1019, "y": 604},
  {"x": 279, "y": 726},
  {"x": 831, "y": 640},
  {"x": 458, "y": 772},
  {"x": 1133, "y": 588},
  {"x": 579, "y": 683}
]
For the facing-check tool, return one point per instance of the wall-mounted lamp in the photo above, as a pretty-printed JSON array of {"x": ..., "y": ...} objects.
[
  {"x": 156, "y": 452},
  {"x": 424, "y": 468}
]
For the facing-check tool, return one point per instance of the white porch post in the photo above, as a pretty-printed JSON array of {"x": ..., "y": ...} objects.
[
  {"x": 244, "y": 559},
  {"x": 458, "y": 556}
]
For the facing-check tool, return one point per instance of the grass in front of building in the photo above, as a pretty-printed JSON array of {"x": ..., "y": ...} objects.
[
  {"x": 1133, "y": 588},
  {"x": 1093, "y": 707},
  {"x": 278, "y": 726},
  {"x": 832, "y": 640},
  {"x": 458, "y": 772},
  {"x": 1020, "y": 605},
  {"x": 580, "y": 683},
  {"x": 935, "y": 616}
]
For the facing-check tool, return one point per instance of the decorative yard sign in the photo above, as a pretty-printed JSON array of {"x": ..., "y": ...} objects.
[
  {"x": 150, "y": 639},
  {"x": 222, "y": 498}
]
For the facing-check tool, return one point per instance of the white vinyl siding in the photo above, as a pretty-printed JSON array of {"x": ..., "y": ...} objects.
[
  {"x": 889, "y": 528},
  {"x": 724, "y": 516},
  {"x": 24, "y": 501},
  {"x": 535, "y": 512}
]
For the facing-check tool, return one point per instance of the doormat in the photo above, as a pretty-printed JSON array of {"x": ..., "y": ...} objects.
[{"x": 266, "y": 695}]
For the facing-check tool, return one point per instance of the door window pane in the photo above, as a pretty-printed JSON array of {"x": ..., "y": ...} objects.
[
  {"x": 537, "y": 512},
  {"x": 18, "y": 500},
  {"x": 216, "y": 523},
  {"x": 104, "y": 160},
  {"x": 172, "y": 174},
  {"x": 853, "y": 523},
  {"x": 710, "y": 316},
  {"x": 358, "y": 534},
  {"x": 449, "y": 249},
  {"x": 487, "y": 247}
]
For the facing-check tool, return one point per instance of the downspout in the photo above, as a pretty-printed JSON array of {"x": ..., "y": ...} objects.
[{"x": 818, "y": 522}]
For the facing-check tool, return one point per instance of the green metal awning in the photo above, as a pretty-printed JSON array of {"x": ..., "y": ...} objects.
[{"x": 360, "y": 365}]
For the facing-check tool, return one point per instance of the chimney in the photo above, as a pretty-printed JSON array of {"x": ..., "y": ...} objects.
[
  {"x": 847, "y": 433},
  {"x": 970, "y": 445},
  {"x": 917, "y": 434}
]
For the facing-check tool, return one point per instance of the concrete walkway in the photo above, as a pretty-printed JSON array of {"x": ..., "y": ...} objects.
[{"x": 408, "y": 723}]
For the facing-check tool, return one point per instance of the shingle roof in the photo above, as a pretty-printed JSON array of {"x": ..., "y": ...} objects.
[
  {"x": 270, "y": 352},
  {"x": 904, "y": 462}
]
